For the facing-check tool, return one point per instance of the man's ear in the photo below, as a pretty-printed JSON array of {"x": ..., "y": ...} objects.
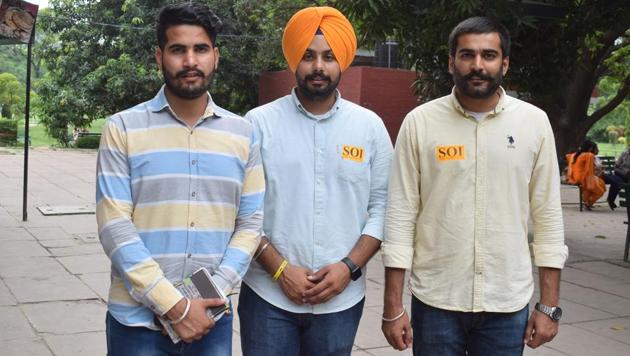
[
  {"x": 451, "y": 64},
  {"x": 158, "y": 57},
  {"x": 505, "y": 64},
  {"x": 216, "y": 57}
]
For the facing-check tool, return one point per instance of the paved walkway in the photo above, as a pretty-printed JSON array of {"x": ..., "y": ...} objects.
[{"x": 54, "y": 275}]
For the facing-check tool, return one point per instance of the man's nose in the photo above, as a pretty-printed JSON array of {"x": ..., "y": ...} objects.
[
  {"x": 190, "y": 59},
  {"x": 318, "y": 64},
  {"x": 477, "y": 62}
]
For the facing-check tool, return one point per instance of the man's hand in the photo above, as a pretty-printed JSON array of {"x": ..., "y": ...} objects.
[
  {"x": 540, "y": 329},
  {"x": 331, "y": 280},
  {"x": 398, "y": 332},
  {"x": 294, "y": 282},
  {"x": 197, "y": 323}
]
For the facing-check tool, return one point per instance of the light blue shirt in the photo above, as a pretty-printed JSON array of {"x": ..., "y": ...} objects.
[{"x": 326, "y": 181}]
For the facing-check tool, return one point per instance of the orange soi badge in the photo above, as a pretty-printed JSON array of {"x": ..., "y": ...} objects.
[
  {"x": 450, "y": 153},
  {"x": 353, "y": 153}
]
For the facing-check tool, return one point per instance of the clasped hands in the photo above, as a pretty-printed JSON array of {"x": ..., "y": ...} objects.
[
  {"x": 302, "y": 286},
  {"x": 196, "y": 324}
]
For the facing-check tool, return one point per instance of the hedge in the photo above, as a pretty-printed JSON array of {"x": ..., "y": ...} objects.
[
  {"x": 8, "y": 132},
  {"x": 87, "y": 141}
]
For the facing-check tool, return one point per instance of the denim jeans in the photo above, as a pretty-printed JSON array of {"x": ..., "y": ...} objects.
[
  {"x": 270, "y": 331},
  {"x": 125, "y": 340},
  {"x": 449, "y": 333}
]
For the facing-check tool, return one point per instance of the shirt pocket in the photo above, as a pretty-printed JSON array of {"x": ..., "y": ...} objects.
[{"x": 353, "y": 163}]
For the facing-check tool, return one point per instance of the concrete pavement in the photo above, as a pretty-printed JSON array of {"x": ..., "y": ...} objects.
[{"x": 54, "y": 276}]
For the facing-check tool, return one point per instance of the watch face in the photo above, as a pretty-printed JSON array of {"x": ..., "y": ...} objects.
[{"x": 556, "y": 314}]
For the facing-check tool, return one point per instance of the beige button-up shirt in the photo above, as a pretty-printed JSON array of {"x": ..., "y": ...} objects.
[{"x": 460, "y": 195}]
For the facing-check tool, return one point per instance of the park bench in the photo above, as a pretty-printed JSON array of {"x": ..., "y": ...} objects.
[
  {"x": 608, "y": 167},
  {"x": 624, "y": 194}
]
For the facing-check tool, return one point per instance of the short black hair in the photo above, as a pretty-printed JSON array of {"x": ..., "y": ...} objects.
[
  {"x": 480, "y": 25},
  {"x": 187, "y": 14}
]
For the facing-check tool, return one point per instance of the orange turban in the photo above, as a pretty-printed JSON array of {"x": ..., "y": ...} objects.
[{"x": 302, "y": 27}]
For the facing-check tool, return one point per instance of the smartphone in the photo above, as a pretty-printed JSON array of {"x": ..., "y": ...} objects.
[{"x": 208, "y": 289}]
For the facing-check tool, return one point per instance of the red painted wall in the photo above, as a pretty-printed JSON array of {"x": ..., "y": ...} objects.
[{"x": 385, "y": 91}]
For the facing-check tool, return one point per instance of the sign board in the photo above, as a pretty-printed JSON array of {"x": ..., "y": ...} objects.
[{"x": 17, "y": 19}]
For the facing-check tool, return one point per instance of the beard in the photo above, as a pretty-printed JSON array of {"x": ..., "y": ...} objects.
[
  {"x": 477, "y": 92},
  {"x": 315, "y": 93},
  {"x": 187, "y": 91}
]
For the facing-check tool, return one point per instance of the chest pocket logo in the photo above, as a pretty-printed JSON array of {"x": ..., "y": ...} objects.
[
  {"x": 450, "y": 153},
  {"x": 353, "y": 153}
]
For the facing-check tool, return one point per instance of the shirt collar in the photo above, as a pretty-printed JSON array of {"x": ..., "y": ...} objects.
[
  {"x": 497, "y": 109},
  {"x": 323, "y": 116},
  {"x": 159, "y": 103}
]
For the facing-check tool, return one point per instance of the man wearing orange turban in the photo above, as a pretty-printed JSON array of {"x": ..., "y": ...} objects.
[
  {"x": 326, "y": 163},
  {"x": 335, "y": 28}
]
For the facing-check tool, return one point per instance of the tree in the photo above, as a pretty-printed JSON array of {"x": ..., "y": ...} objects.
[
  {"x": 560, "y": 49},
  {"x": 11, "y": 95},
  {"x": 100, "y": 56}
]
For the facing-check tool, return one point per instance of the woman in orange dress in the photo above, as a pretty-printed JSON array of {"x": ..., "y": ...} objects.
[{"x": 582, "y": 171}]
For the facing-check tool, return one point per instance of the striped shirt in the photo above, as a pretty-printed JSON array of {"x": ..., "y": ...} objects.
[{"x": 172, "y": 199}]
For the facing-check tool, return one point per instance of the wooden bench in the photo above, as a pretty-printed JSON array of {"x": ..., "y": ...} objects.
[
  {"x": 624, "y": 194},
  {"x": 608, "y": 167}
]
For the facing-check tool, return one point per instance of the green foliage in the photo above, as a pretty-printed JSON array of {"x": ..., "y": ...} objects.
[
  {"x": 8, "y": 132},
  {"x": 608, "y": 87},
  {"x": 96, "y": 70},
  {"x": 88, "y": 141},
  {"x": 11, "y": 95},
  {"x": 560, "y": 49}
]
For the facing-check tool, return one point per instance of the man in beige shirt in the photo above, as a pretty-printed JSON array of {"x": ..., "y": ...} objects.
[{"x": 469, "y": 169}]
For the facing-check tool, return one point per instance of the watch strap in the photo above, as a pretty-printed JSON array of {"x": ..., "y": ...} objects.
[{"x": 355, "y": 271}]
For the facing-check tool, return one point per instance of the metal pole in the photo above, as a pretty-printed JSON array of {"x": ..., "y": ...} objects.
[{"x": 27, "y": 111}]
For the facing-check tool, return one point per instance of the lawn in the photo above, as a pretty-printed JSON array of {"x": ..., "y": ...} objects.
[
  {"x": 608, "y": 149},
  {"x": 40, "y": 138}
]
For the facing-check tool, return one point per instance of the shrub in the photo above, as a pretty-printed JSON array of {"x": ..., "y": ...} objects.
[
  {"x": 88, "y": 141},
  {"x": 8, "y": 132}
]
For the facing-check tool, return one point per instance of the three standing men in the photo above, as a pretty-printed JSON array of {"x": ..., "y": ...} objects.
[
  {"x": 326, "y": 163},
  {"x": 468, "y": 170},
  {"x": 180, "y": 186}
]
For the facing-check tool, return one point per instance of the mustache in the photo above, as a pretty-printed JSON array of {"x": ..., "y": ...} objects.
[
  {"x": 317, "y": 76},
  {"x": 477, "y": 75},
  {"x": 184, "y": 72}
]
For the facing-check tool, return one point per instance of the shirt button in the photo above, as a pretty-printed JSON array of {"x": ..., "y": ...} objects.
[
  {"x": 194, "y": 161},
  {"x": 192, "y": 224},
  {"x": 194, "y": 194}
]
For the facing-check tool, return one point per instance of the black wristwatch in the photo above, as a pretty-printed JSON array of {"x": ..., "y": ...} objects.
[
  {"x": 355, "y": 271},
  {"x": 555, "y": 313}
]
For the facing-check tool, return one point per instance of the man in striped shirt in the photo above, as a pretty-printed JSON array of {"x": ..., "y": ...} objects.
[{"x": 180, "y": 186}]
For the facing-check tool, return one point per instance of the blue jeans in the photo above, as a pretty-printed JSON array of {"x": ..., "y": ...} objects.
[
  {"x": 270, "y": 331},
  {"x": 125, "y": 340},
  {"x": 449, "y": 333}
]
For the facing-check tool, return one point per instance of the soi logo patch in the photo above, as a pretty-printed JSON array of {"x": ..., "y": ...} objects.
[
  {"x": 352, "y": 153},
  {"x": 450, "y": 153}
]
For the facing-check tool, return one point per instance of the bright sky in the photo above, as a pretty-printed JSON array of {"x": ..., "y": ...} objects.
[{"x": 42, "y": 3}]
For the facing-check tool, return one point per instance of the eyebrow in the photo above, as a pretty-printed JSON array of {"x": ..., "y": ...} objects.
[
  {"x": 310, "y": 50},
  {"x": 196, "y": 45},
  {"x": 485, "y": 50}
]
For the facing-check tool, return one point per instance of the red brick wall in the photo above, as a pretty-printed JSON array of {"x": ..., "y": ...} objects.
[{"x": 385, "y": 91}]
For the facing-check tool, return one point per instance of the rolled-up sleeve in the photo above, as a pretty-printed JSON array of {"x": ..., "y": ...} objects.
[
  {"x": 548, "y": 245},
  {"x": 403, "y": 203}
]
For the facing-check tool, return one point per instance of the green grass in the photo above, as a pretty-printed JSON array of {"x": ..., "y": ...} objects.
[
  {"x": 40, "y": 138},
  {"x": 608, "y": 149}
]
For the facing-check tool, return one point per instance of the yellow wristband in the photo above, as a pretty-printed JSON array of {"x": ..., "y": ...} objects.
[{"x": 280, "y": 269}]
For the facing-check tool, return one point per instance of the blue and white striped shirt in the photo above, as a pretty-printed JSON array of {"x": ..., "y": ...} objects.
[{"x": 172, "y": 199}]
